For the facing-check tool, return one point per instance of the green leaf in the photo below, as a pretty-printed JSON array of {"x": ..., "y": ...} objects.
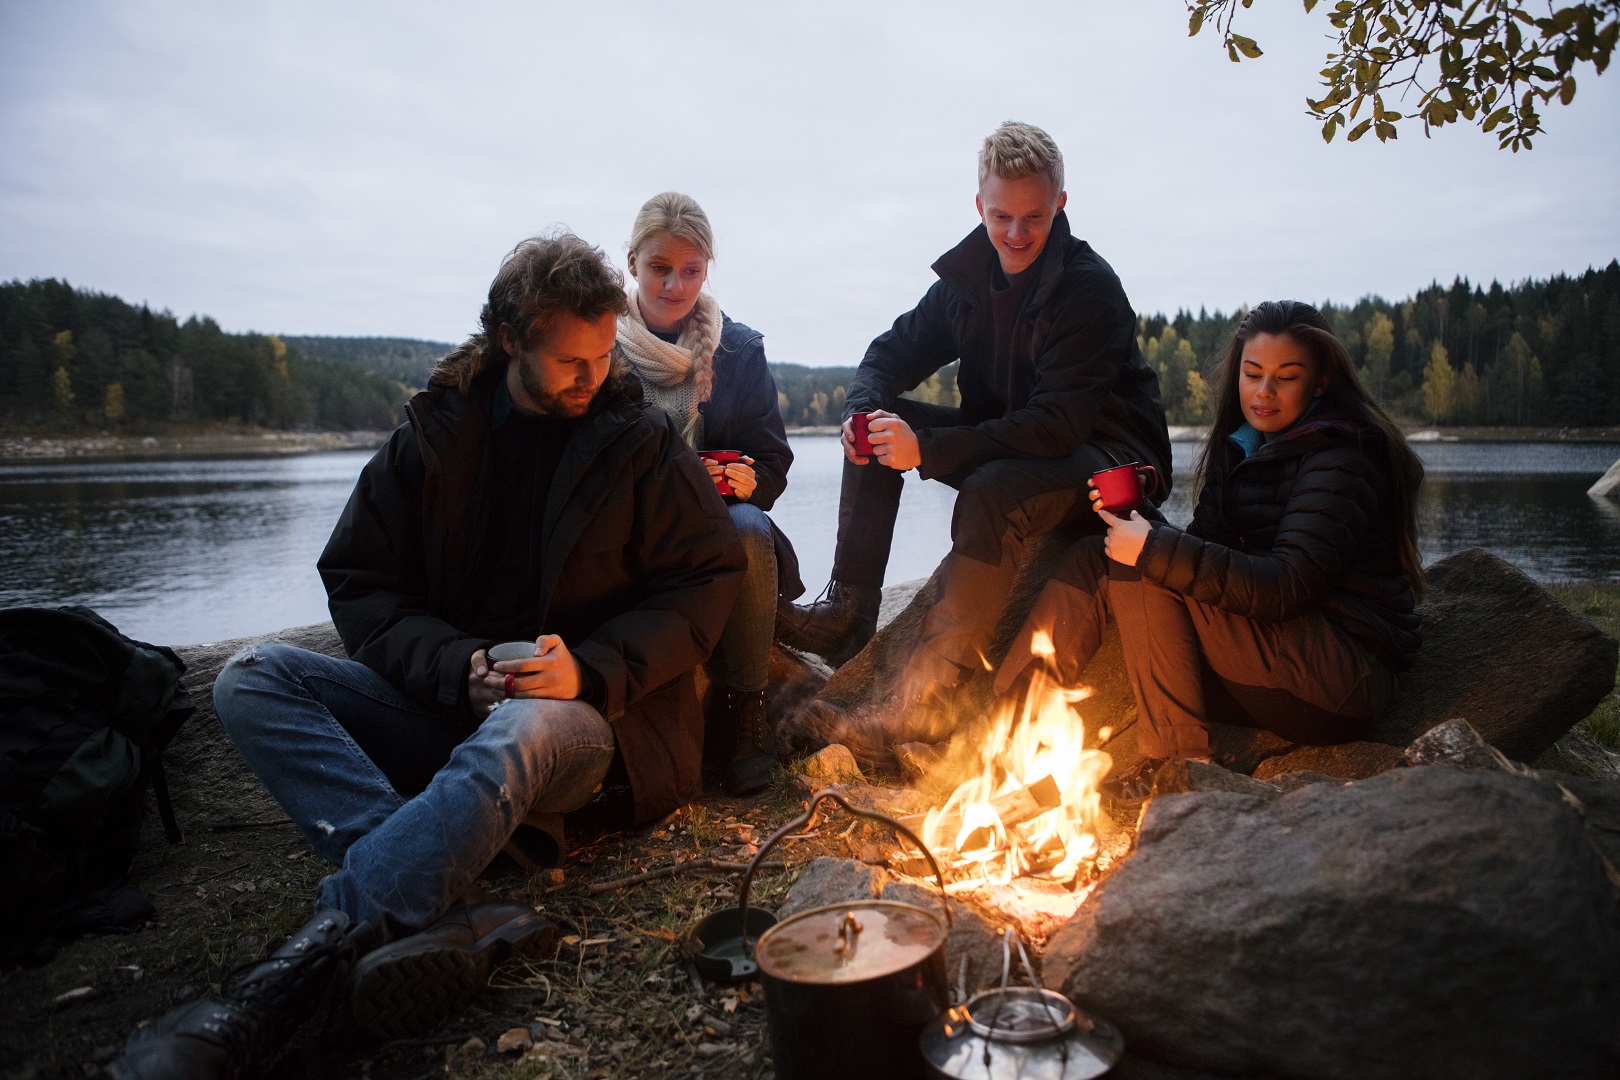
[
  {"x": 1566, "y": 92},
  {"x": 1327, "y": 128},
  {"x": 1196, "y": 23},
  {"x": 1309, "y": 4},
  {"x": 1246, "y": 46},
  {"x": 1359, "y": 130},
  {"x": 1232, "y": 54}
]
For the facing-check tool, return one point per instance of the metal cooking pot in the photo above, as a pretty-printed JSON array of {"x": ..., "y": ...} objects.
[
  {"x": 849, "y": 987},
  {"x": 1019, "y": 1033}
]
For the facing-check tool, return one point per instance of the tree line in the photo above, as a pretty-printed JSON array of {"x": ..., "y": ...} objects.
[
  {"x": 1536, "y": 353},
  {"x": 74, "y": 360}
]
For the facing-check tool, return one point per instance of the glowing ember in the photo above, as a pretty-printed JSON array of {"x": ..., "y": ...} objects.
[{"x": 1002, "y": 817}]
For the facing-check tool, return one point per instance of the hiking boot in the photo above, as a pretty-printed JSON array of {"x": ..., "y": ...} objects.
[
  {"x": 409, "y": 987},
  {"x": 239, "y": 1036},
  {"x": 751, "y": 759},
  {"x": 1134, "y": 786},
  {"x": 835, "y": 628},
  {"x": 719, "y": 734}
]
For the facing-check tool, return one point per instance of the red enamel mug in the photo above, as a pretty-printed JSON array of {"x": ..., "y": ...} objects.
[
  {"x": 863, "y": 440},
  {"x": 1121, "y": 487},
  {"x": 722, "y": 458}
]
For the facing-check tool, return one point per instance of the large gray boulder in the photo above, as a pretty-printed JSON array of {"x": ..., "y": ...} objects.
[
  {"x": 1504, "y": 654},
  {"x": 1434, "y": 922}
]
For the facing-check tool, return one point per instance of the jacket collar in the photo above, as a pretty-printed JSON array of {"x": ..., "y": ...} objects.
[
  {"x": 1320, "y": 419},
  {"x": 967, "y": 266}
]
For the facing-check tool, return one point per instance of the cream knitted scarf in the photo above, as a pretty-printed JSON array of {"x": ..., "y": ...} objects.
[{"x": 678, "y": 376}]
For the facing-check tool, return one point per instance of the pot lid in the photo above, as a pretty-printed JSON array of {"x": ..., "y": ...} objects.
[{"x": 848, "y": 943}]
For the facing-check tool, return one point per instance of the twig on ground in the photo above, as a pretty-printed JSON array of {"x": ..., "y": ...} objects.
[
  {"x": 673, "y": 869},
  {"x": 238, "y": 826}
]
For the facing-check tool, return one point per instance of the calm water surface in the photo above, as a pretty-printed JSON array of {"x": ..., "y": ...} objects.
[{"x": 183, "y": 552}]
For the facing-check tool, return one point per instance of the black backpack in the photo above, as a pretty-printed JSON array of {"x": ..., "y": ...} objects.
[{"x": 85, "y": 714}]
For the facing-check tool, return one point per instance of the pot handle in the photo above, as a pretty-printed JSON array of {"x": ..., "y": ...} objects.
[{"x": 804, "y": 819}]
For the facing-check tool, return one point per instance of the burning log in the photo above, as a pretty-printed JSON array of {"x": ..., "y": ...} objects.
[{"x": 1013, "y": 808}]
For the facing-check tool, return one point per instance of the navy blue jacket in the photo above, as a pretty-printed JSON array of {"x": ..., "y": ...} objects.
[{"x": 742, "y": 414}]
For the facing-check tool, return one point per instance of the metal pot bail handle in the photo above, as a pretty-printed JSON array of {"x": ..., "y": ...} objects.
[{"x": 804, "y": 819}]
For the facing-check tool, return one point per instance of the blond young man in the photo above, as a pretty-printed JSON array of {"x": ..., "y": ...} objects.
[{"x": 1053, "y": 388}]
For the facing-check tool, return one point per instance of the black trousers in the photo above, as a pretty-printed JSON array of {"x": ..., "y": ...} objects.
[
  {"x": 1188, "y": 662},
  {"x": 1001, "y": 507}
]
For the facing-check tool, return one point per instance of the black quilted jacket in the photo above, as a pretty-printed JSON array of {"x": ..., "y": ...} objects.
[{"x": 1304, "y": 522}]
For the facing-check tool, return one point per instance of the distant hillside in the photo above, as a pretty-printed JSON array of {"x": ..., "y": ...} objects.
[
  {"x": 74, "y": 360},
  {"x": 406, "y": 360}
]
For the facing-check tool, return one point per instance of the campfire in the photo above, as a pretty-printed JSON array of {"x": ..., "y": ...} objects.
[{"x": 1021, "y": 825}]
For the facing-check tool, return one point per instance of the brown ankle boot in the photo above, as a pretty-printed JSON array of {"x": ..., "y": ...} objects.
[{"x": 835, "y": 628}]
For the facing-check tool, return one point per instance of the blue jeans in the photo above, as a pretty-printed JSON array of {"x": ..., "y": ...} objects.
[
  {"x": 408, "y": 806},
  {"x": 742, "y": 657}
]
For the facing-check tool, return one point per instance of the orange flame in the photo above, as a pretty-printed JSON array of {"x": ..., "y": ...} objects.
[{"x": 1027, "y": 741}]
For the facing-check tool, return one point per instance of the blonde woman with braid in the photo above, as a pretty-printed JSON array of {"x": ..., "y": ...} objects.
[{"x": 709, "y": 374}]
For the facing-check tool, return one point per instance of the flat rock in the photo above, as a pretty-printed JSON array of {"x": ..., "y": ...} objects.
[
  {"x": 1347, "y": 761},
  {"x": 1504, "y": 654},
  {"x": 1578, "y": 754},
  {"x": 1435, "y": 922},
  {"x": 1453, "y": 743},
  {"x": 832, "y": 765},
  {"x": 1179, "y": 776},
  {"x": 833, "y": 881},
  {"x": 1608, "y": 485}
]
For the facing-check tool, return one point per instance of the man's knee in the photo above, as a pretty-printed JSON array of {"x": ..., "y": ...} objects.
[
  {"x": 526, "y": 721},
  {"x": 255, "y": 666}
]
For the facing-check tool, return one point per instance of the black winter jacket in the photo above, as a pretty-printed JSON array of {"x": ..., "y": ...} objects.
[
  {"x": 1073, "y": 375},
  {"x": 1301, "y": 523},
  {"x": 640, "y": 568}
]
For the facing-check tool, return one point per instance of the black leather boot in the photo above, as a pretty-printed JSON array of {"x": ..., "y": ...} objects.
[
  {"x": 752, "y": 758},
  {"x": 719, "y": 734},
  {"x": 409, "y": 987},
  {"x": 835, "y": 628},
  {"x": 239, "y": 1036}
]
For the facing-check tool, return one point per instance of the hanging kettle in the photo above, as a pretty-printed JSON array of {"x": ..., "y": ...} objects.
[{"x": 1019, "y": 1033}]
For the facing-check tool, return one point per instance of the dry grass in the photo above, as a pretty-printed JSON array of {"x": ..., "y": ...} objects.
[{"x": 1600, "y": 602}]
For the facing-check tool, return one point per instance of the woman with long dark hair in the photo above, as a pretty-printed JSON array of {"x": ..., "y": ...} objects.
[{"x": 1289, "y": 601}]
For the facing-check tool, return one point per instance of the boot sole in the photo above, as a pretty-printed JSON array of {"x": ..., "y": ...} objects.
[{"x": 410, "y": 992}]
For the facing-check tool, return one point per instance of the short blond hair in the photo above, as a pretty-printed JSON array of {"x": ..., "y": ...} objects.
[
  {"x": 1016, "y": 150},
  {"x": 676, "y": 214}
]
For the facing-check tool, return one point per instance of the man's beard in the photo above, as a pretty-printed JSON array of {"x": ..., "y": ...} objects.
[{"x": 561, "y": 403}]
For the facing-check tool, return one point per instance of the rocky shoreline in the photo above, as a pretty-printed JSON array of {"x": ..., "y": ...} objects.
[{"x": 234, "y": 444}]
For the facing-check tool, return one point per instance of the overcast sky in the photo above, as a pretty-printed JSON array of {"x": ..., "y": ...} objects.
[{"x": 349, "y": 168}]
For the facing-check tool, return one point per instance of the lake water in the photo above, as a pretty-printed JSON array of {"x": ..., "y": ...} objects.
[{"x": 181, "y": 552}]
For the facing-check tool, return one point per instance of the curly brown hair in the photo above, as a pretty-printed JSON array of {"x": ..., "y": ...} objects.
[{"x": 543, "y": 277}]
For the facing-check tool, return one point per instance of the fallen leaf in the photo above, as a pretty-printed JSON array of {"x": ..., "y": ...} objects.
[
  {"x": 514, "y": 1041},
  {"x": 79, "y": 993}
]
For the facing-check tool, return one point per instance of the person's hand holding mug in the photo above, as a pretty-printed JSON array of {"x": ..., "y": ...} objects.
[
  {"x": 552, "y": 672},
  {"x": 893, "y": 442},
  {"x": 1126, "y": 536},
  {"x": 738, "y": 474},
  {"x": 846, "y": 438}
]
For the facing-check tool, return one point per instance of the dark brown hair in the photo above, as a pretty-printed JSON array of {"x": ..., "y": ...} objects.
[
  {"x": 543, "y": 277},
  {"x": 1305, "y": 325}
]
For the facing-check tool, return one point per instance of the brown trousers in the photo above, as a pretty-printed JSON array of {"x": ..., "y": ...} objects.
[{"x": 1189, "y": 663}]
